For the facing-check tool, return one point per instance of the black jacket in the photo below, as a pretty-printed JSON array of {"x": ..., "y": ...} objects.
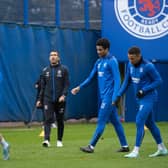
[{"x": 54, "y": 83}]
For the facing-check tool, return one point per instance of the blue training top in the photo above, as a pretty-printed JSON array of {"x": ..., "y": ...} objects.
[
  {"x": 108, "y": 77},
  {"x": 144, "y": 77}
]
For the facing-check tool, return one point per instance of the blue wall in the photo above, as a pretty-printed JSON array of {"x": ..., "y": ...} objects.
[{"x": 24, "y": 51}]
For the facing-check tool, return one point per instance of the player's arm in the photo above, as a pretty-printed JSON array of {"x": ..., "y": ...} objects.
[
  {"x": 41, "y": 93},
  {"x": 116, "y": 75},
  {"x": 155, "y": 78},
  {"x": 124, "y": 86},
  {"x": 75, "y": 90},
  {"x": 66, "y": 85}
]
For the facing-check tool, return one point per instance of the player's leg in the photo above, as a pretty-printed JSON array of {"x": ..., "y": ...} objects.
[
  {"x": 60, "y": 109},
  {"x": 114, "y": 119},
  {"x": 150, "y": 123},
  {"x": 48, "y": 112},
  {"x": 5, "y": 146},
  {"x": 103, "y": 116},
  {"x": 143, "y": 112}
]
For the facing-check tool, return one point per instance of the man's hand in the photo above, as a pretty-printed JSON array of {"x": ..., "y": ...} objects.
[
  {"x": 36, "y": 86},
  {"x": 38, "y": 104},
  {"x": 61, "y": 99},
  {"x": 140, "y": 94},
  {"x": 75, "y": 90},
  {"x": 116, "y": 102}
]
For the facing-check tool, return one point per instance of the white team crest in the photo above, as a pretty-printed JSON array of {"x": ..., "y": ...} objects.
[
  {"x": 141, "y": 69},
  {"x": 145, "y": 19},
  {"x": 59, "y": 73},
  {"x": 47, "y": 74}
]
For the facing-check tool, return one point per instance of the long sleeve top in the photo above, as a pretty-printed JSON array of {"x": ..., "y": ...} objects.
[
  {"x": 54, "y": 82},
  {"x": 108, "y": 76},
  {"x": 143, "y": 77}
]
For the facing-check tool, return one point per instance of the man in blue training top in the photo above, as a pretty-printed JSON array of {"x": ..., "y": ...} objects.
[
  {"x": 145, "y": 79},
  {"x": 107, "y": 71}
]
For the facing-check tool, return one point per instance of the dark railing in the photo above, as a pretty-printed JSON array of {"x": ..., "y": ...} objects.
[{"x": 85, "y": 14}]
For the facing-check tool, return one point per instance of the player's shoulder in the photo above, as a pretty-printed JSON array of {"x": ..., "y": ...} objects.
[
  {"x": 129, "y": 65},
  {"x": 98, "y": 61},
  {"x": 45, "y": 68},
  {"x": 64, "y": 67},
  {"x": 148, "y": 64},
  {"x": 112, "y": 58}
]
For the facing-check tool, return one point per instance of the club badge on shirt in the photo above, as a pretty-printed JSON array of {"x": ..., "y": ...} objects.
[{"x": 59, "y": 73}]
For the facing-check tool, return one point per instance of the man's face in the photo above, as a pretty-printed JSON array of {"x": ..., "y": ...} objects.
[
  {"x": 54, "y": 58},
  {"x": 134, "y": 59},
  {"x": 101, "y": 51}
]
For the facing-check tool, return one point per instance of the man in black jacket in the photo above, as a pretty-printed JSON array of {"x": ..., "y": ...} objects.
[{"x": 53, "y": 92}]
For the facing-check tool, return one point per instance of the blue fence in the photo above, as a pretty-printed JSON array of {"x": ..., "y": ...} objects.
[{"x": 24, "y": 52}]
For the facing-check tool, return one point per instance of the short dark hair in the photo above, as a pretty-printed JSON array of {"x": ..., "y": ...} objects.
[
  {"x": 103, "y": 42},
  {"x": 55, "y": 52},
  {"x": 134, "y": 50}
]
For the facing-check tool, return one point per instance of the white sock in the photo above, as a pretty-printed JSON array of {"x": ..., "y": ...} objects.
[
  {"x": 92, "y": 147},
  {"x": 136, "y": 149},
  {"x": 161, "y": 146},
  {"x": 4, "y": 143},
  {"x": 125, "y": 146}
]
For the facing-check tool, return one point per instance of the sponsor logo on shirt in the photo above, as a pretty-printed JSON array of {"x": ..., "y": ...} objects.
[
  {"x": 135, "y": 80},
  {"x": 100, "y": 74}
]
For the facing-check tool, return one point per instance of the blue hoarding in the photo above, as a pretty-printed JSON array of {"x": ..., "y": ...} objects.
[{"x": 143, "y": 23}]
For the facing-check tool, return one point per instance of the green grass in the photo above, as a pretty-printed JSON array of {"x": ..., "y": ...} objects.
[{"x": 27, "y": 152}]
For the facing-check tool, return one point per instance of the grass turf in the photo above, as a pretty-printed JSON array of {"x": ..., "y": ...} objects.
[{"x": 27, "y": 151}]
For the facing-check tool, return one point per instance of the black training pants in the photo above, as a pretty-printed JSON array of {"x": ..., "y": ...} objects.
[{"x": 49, "y": 109}]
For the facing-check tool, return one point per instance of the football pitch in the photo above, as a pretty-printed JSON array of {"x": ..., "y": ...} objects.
[{"x": 27, "y": 151}]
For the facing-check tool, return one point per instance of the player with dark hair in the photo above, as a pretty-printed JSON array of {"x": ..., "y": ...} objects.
[
  {"x": 145, "y": 79},
  {"x": 5, "y": 146},
  {"x": 108, "y": 76},
  {"x": 53, "y": 92}
]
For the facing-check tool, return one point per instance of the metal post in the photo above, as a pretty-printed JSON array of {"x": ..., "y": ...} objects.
[
  {"x": 86, "y": 14},
  {"x": 26, "y": 12},
  {"x": 57, "y": 13}
]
